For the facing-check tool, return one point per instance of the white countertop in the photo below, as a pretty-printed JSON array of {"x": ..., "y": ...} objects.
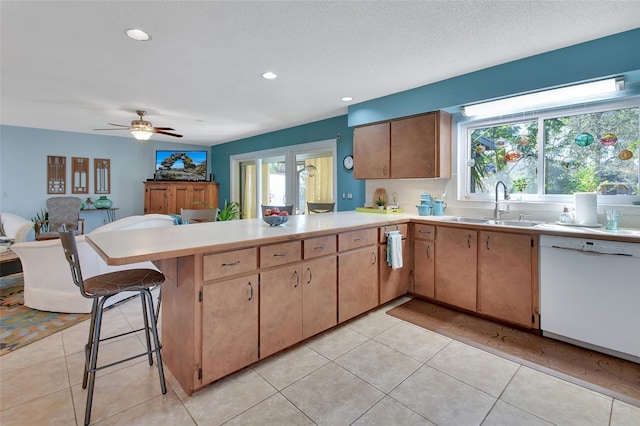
[{"x": 122, "y": 247}]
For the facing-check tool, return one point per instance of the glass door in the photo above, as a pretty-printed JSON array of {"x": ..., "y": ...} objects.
[
  {"x": 274, "y": 181},
  {"x": 314, "y": 179}
]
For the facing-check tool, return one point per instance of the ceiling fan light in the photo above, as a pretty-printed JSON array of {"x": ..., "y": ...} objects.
[{"x": 141, "y": 135}]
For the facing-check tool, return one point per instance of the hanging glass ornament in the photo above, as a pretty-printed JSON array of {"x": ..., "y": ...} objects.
[
  {"x": 584, "y": 139},
  {"x": 609, "y": 139},
  {"x": 625, "y": 154},
  {"x": 471, "y": 163},
  {"x": 480, "y": 148},
  {"x": 490, "y": 167},
  {"x": 512, "y": 156},
  {"x": 524, "y": 140},
  {"x": 500, "y": 142}
]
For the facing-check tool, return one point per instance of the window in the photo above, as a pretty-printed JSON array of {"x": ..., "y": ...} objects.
[
  {"x": 552, "y": 155},
  {"x": 295, "y": 175}
]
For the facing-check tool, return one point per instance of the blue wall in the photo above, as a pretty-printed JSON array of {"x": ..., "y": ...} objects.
[
  {"x": 23, "y": 170},
  {"x": 605, "y": 57},
  {"x": 311, "y": 132}
]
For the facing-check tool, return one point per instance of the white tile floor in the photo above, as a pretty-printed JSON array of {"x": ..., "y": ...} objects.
[{"x": 374, "y": 370}]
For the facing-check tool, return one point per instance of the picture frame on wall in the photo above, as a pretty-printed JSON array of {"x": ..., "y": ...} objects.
[{"x": 102, "y": 175}]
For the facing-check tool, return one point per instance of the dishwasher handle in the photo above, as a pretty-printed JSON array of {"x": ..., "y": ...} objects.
[{"x": 592, "y": 252}]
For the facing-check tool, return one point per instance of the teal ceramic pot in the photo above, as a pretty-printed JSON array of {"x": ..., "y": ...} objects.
[{"x": 103, "y": 203}]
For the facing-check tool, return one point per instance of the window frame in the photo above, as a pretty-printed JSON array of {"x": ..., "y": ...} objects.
[{"x": 465, "y": 127}]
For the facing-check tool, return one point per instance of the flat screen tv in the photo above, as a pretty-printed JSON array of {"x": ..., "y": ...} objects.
[{"x": 181, "y": 165}]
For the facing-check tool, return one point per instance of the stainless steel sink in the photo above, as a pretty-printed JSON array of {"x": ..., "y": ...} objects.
[{"x": 497, "y": 222}]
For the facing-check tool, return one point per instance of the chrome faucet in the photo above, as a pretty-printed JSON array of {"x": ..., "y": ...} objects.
[{"x": 496, "y": 211}]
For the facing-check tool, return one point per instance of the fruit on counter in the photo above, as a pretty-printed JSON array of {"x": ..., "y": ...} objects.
[
  {"x": 275, "y": 210},
  {"x": 283, "y": 213},
  {"x": 267, "y": 212}
]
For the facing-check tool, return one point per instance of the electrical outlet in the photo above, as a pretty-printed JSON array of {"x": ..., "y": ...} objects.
[{"x": 350, "y": 196}]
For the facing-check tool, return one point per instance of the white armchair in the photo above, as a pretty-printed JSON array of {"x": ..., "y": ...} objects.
[
  {"x": 15, "y": 227},
  {"x": 48, "y": 285}
]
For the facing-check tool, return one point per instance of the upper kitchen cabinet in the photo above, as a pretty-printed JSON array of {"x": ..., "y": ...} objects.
[
  {"x": 371, "y": 151},
  {"x": 413, "y": 147}
]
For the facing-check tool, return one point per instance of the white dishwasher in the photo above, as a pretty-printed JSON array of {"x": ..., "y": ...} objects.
[{"x": 590, "y": 294}]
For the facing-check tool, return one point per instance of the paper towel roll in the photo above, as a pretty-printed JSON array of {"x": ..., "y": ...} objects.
[{"x": 586, "y": 204}]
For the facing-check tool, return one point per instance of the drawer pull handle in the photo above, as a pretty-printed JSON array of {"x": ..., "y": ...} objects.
[
  {"x": 358, "y": 239},
  {"x": 424, "y": 232},
  {"x": 297, "y": 278},
  {"x": 374, "y": 258},
  {"x": 469, "y": 240},
  {"x": 250, "y": 291},
  {"x": 285, "y": 254},
  {"x": 237, "y": 262},
  {"x": 487, "y": 242},
  {"x": 322, "y": 247},
  {"x": 310, "y": 275},
  {"x": 428, "y": 252}
]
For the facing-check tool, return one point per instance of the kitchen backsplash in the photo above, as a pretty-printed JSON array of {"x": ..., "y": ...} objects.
[{"x": 407, "y": 193}]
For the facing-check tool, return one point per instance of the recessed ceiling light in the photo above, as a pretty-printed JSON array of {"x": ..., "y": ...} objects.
[
  {"x": 346, "y": 99},
  {"x": 270, "y": 75},
  {"x": 137, "y": 34}
]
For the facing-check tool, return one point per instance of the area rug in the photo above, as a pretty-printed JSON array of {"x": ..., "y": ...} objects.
[
  {"x": 20, "y": 325},
  {"x": 603, "y": 373}
]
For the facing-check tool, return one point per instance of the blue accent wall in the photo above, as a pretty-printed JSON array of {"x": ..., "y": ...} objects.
[
  {"x": 605, "y": 57},
  {"x": 311, "y": 132}
]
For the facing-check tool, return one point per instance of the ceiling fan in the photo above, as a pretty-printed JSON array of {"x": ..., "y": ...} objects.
[{"x": 142, "y": 130}]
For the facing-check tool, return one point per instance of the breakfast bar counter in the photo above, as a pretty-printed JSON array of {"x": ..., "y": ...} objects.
[{"x": 239, "y": 291}]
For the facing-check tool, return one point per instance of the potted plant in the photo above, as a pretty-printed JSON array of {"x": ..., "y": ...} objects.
[
  {"x": 380, "y": 203},
  {"x": 230, "y": 211}
]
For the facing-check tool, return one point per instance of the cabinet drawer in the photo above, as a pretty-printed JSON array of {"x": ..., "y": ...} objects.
[
  {"x": 230, "y": 263},
  {"x": 424, "y": 232},
  {"x": 355, "y": 239},
  {"x": 403, "y": 227},
  {"x": 279, "y": 254},
  {"x": 319, "y": 246}
]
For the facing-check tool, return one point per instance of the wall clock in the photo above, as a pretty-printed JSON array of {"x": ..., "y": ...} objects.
[{"x": 347, "y": 162}]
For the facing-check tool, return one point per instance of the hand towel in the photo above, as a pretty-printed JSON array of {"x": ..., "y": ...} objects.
[{"x": 394, "y": 249}]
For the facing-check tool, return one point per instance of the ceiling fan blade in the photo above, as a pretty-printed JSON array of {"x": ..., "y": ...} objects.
[
  {"x": 119, "y": 125},
  {"x": 155, "y": 130},
  {"x": 126, "y": 128},
  {"x": 164, "y": 128}
]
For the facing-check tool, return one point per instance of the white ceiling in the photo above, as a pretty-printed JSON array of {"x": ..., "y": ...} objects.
[{"x": 67, "y": 65}]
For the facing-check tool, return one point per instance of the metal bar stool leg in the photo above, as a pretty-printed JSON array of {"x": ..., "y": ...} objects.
[
  {"x": 156, "y": 341},
  {"x": 145, "y": 316},
  {"x": 88, "y": 347},
  {"x": 95, "y": 346}
]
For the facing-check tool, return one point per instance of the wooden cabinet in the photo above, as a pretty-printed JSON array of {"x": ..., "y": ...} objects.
[
  {"x": 394, "y": 282},
  {"x": 319, "y": 295},
  {"x": 169, "y": 197},
  {"x": 371, "y": 151},
  {"x": 424, "y": 260},
  {"x": 421, "y": 146},
  {"x": 230, "y": 326},
  {"x": 357, "y": 273},
  {"x": 412, "y": 147},
  {"x": 455, "y": 270},
  {"x": 505, "y": 278},
  {"x": 280, "y": 309}
]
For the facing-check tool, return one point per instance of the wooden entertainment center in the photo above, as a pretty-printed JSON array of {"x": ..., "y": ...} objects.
[{"x": 168, "y": 197}]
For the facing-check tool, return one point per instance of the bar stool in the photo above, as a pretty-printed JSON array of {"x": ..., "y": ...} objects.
[{"x": 100, "y": 288}]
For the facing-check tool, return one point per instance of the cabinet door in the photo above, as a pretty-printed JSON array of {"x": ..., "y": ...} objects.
[
  {"x": 413, "y": 147},
  {"x": 357, "y": 282},
  {"x": 371, "y": 147},
  {"x": 280, "y": 309},
  {"x": 424, "y": 266},
  {"x": 156, "y": 199},
  {"x": 394, "y": 282},
  {"x": 229, "y": 326},
  {"x": 504, "y": 276},
  {"x": 183, "y": 197},
  {"x": 456, "y": 267},
  {"x": 319, "y": 295}
]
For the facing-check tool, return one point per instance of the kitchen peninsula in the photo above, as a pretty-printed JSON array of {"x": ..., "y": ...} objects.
[{"x": 239, "y": 291}]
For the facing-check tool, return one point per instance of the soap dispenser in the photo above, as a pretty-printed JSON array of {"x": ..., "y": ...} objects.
[{"x": 566, "y": 216}]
